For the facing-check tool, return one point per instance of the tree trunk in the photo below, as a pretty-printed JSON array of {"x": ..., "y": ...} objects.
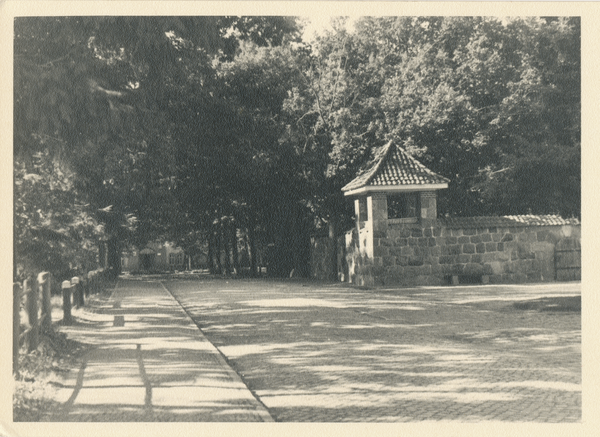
[
  {"x": 225, "y": 239},
  {"x": 334, "y": 249},
  {"x": 252, "y": 247},
  {"x": 113, "y": 257},
  {"x": 209, "y": 260},
  {"x": 234, "y": 249},
  {"x": 218, "y": 246}
]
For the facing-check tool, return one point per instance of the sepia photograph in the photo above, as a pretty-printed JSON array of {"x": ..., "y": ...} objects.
[{"x": 324, "y": 216}]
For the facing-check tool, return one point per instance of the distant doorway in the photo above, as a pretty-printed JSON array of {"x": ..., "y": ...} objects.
[{"x": 147, "y": 259}]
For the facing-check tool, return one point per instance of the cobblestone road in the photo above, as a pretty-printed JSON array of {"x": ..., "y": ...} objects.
[{"x": 328, "y": 353}]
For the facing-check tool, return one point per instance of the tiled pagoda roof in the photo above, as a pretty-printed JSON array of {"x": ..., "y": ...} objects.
[{"x": 393, "y": 167}]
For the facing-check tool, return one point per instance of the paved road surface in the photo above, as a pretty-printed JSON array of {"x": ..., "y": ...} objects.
[{"x": 320, "y": 353}]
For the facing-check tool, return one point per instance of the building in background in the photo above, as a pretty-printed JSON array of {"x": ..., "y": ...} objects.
[{"x": 154, "y": 257}]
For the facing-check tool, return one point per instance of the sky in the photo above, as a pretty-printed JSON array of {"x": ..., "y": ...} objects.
[{"x": 320, "y": 23}]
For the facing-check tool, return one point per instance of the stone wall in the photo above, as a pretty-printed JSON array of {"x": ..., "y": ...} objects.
[{"x": 414, "y": 254}]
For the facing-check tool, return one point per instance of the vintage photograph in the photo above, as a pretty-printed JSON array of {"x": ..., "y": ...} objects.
[{"x": 297, "y": 218}]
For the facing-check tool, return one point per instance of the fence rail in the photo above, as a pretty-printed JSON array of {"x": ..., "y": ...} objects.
[{"x": 34, "y": 296}]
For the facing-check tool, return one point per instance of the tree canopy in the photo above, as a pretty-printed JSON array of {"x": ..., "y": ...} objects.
[{"x": 232, "y": 134}]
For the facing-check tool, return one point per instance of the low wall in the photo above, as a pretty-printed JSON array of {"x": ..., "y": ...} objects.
[{"x": 494, "y": 250}]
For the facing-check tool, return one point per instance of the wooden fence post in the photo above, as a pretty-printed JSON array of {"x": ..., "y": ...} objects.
[
  {"x": 93, "y": 281},
  {"x": 66, "y": 293},
  {"x": 44, "y": 281},
  {"x": 87, "y": 279},
  {"x": 32, "y": 313},
  {"x": 16, "y": 325},
  {"x": 77, "y": 291}
]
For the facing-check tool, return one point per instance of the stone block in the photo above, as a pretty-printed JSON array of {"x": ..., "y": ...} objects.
[
  {"x": 446, "y": 259},
  {"x": 428, "y": 232},
  {"x": 491, "y": 247},
  {"x": 453, "y": 249},
  {"x": 394, "y": 271},
  {"x": 547, "y": 270},
  {"x": 425, "y": 270},
  {"x": 435, "y": 251},
  {"x": 389, "y": 261},
  {"x": 519, "y": 278},
  {"x": 402, "y": 261},
  {"x": 457, "y": 232},
  {"x": 473, "y": 269},
  {"x": 431, "y": 242},
  {"x": 379, "y": 234},
  {"x": 495, "y": 279},
  {"x": 507, "y": 278},
  {"x": 485, "y": 279},
  {"x": 415, "y": 261},
  {"x": 480, "y": 248},
  {"x": 401, "y": 241},
  {"x": 423, "y": 241},
  {"x": 381, "y": 251},
  {"x": 468, "y": 248},
  {"x": 543, "y": 247},
  {"x": 497, "y": 237},
  {"x": 451, "y": 240},
  {"x": 542, "y": 235},
  {"x": 437, "y": 232},
  {"x": 446, "y": 269},
  {"x": 500, "y": 247},
  {"x": 395, "y": 251},
  {"x": 476, "y": 239},
  {"x": 411, "y": 271},
  {"x": 423, "y": 280},
  {"x": 489, "y": 257},
  {"x": 534, "y": 277},
  {"x": 407, "y": 251},
  {"x": 463, "y": 240},
  {"x": 524, "y": 252},
  {"x": 416, "y": 233},
  {"x": 458, "y": 269},
  {"x": 492, "y": 230},
  {"x": 507, "y": 237},
  {"x": 405, "y": 232},
  {"x": 413, "y": 241},
  {"x": 482, "y": 230},
  {"x": 486, "y": 238},
  {"x": 463, "y": 259},
  {"x": 470, "y": 232},
  {"x": 378, "y": 271},
  {"x": 553, "y": 237},
  {"x": 487, "y": 269},
  {"x": 422, "y": 251},
  {"x": 477, "y": 258}
]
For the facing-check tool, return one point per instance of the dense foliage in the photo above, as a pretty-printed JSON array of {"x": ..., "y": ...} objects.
[{"x": 232, "y": 136}]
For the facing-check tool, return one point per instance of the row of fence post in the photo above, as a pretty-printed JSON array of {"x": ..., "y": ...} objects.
[{"x": 39, "y": 320}]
